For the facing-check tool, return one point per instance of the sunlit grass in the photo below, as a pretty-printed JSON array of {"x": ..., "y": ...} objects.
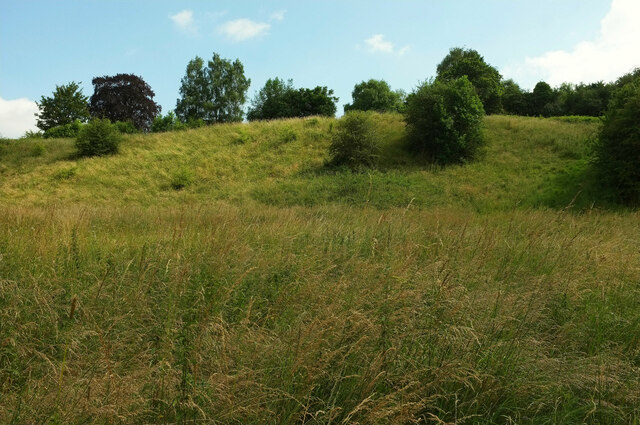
[{"x": 271, "y": 288}]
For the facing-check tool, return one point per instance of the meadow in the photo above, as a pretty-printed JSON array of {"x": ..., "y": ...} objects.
[{"x": 229, "y": 275}]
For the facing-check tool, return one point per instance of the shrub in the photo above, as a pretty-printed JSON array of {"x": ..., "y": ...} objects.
[
  {"x": 182, "y": 178},
  {"x": 61, "y": 131},
  {"x": 168, "y": 122},
  {"x": 618, "y": 147},
  {"x": 288, "y": 134},
  {"x": 444, "y": 120},
  {"x": 98, "y": 138},
  {"x": 354, "y": 142},
  {"x": 126, "y": 127},
  {"x": 38, "y": 149},
  {"x": 30, "y": 134}
]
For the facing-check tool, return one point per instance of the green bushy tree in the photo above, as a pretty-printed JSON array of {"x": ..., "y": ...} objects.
[
  {"x": 375, "y": 95},
  {"x": 484, "y": 78},
  {"x": 66, "y": 130},
  {"x": 215, "y": 93},
  {"x": 618, "y": 147},
  {"x": 279, "y": 99},
  {"x": 444, "y": 120},
  {"x": 354, "y": 140},
  {"x": 66, "y": 105},
  {"x": 98, "y": 138},
  {"x": 272, "y": 101}
]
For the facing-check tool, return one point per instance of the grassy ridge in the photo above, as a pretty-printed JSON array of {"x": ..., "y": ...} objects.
[
  {"x": 273, "y": 289},
  {"x": 529, "y": 162}
]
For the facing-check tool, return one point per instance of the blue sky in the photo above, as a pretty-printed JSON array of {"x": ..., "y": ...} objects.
[{"x": 336, "y": 43}]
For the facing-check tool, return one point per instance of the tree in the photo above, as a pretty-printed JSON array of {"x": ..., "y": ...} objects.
[
  {"x": 485, "y": 78},
  {"x": 67, "y": 105},
  {"x": 272, "y": 101},
  {"x": 444, "y": 120},
  {"x": 316, "y": 101},
  {"x": 618, "y": 147},
  {"x": 374, "y": 95},
  {"x": 355, "y": 142},
  {"x": 214, "y": 94},
  {"x": 278, "y": 99},
  {"x": 124, "y": 97},
  {"x": 513, "y": 98},
  {"x": 541, "y": 97}
]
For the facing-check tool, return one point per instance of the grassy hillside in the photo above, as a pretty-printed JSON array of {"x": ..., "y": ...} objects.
[
  {"x": 528, "y": 163},
  {"x": 274, "y": 289}
]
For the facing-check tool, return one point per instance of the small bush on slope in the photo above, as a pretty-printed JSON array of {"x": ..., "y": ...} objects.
[
  {"x": 444, "y": 120},
  {"x": 354, "y": 141},
  {"x": 98, "y": 138}
]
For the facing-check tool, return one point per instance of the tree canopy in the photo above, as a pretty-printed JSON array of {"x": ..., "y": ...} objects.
[
  {"x": 375, "y": 95},
  {"x": 279, "y": 99},
  {"x": 124, "y": 97},
  {"x": 215, "y": 93},
  {"x": 66, "y": 105},
  {"x": 485, "y": 78}
]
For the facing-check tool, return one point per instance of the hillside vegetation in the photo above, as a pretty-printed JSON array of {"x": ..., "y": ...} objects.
[
  {"x": 227, "y": 275},
  {"x": 529, "y": 162}
]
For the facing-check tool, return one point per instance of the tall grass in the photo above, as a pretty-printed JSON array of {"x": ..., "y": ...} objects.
[
  {"x": 317, "y": 315},
  {"x": 228, "y": 275}
]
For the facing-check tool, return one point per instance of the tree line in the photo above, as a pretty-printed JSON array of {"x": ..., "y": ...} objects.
[{"x": 215, "y": 91}]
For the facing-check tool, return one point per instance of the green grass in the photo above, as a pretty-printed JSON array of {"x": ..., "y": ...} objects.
[{"x": 271, "y": 288}]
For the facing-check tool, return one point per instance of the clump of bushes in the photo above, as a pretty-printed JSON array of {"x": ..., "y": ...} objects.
[
  {"x": 126, "y": 127},
  {"x": 288, "y": 134},
  {"x": 63, "y": 131},
  {"x": 38, "y": 149},
  {"x": 354, "y": 141},
  {"x": 98, "y": 138},
  {"x": 182, "y": 178},
  {"x": 618, "y": 147},
  {"x": 444, "y": 121}
]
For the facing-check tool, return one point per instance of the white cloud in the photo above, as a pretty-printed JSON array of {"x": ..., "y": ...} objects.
[
  {"x": 613, "y": 53},
  {"x": 244, "y": 29},
  {"x": 377, "y": 43},
  {"x": 184, "y": 20},
  {"x": 278, "y": 16},
  {"x": 17, "y": 116}
]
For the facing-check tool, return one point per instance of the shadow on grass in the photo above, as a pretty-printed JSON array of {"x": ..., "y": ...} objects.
[{"x": 577, "y": 188}]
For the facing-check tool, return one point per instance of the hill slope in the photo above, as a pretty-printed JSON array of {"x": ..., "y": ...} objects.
[
  {"x": 273, "y": 289},
  {"x": 528, "y": 162}
]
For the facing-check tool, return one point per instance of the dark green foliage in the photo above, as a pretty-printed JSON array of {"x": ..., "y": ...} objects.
[
  {"x": 272, "y": 101},
  {"x": 124, "y": 97},
  {"x": 354, "y": 142},
  {"x": 444, "y": 120},
  {"x": 587, "y": 99},
  {"x": 514, "y": 99},
  {"x": 485, "y": 78},
  {"x": 165, "y": 123},
  {"x": 541, "y": 99},
  {"x": 30, "y": 134},
  {"x": 316, "y": 101},
  {"x": 278, "y": 99},
  {"x": 375, "y": 95},
  {"x": 126, "y": 127},
  {"x": 215, "y": 93},
  {"x": 61, "y": 131},
  {"x": 67, "y": 105},
  {"x": 618, "y": 148},
  {"x": 98, "y": 138}
]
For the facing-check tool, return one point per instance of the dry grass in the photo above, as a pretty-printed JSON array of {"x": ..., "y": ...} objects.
[
  {"x": 317, "y": 315},
  {"x": 227, "y": 276}
]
